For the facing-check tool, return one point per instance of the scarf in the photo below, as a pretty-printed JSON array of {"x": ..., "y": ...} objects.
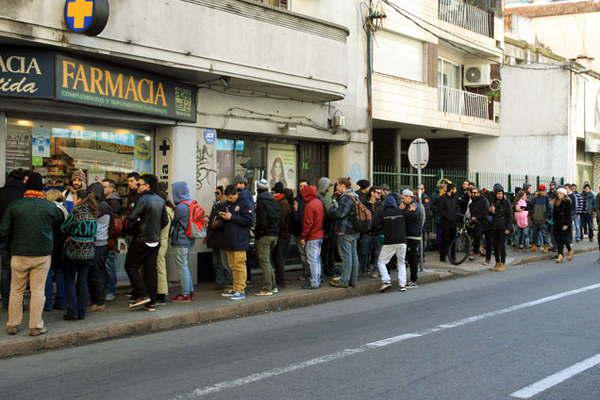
[
  {"x": 35, "y": 194},
  {"x": 279, "y": 196}
]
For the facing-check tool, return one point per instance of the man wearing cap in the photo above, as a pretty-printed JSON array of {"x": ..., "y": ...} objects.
[
  {"x": 541, "y": 214},
  {"x": 268, "y": 218},
  {"x": 29, "y": 224}
]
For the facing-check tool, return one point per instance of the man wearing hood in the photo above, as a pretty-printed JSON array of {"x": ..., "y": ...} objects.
[
  {"x": 392, "y": 224},
  {"x": 312, "y": 234},
  {"x": 78, "y": 182},
  {"x": 268, "y": 218},
  {"x": 97, "y": 273},
  {"x": 180, "y": 242}
]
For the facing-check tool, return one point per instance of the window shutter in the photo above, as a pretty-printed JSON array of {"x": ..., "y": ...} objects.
[{"x": 431, "y": 61}]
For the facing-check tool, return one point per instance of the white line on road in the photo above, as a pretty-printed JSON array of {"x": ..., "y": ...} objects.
[
  {"x": 203, "y": 391},
  {"x": 559, "y": 377}
]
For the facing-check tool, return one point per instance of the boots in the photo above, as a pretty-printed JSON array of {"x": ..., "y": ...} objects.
[
  {"x": 499, "y": 267},
  {"x": 570, "y": 255},
  {"x": 559, "y": 259},
  {"x": 502, "y": 267},
  {"x": 546, "y": 248},
  {"x": 534, "y": 248}
]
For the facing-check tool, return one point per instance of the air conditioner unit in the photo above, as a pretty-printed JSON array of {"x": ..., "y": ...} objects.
[{"x": 477, "y": 75}]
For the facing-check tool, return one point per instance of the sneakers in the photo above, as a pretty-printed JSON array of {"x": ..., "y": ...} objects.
[
  {"x": 337, "y": 283},
  {"x": 150, "y": 307},
  {"x": 238, "y": 296},
  {"x": 412, "y": 285},
  {"x": 402, "y": 288},
  {"x": 38, "y": 331},
  {"x": 110, "y": 297},
  {"x": 275, "y": 290},
  {"x": 264, "y": 292},
  {"x": 384, "y": 287},
  {"x": 98, "y": 308},
  {"x": 486, "y": 263},
  {"x": 139, "y": 302},
  {"x": 228, "y": 293},
  {"x": 308, "y": 286},
  {"x": 161, "y": 299},
  {"x": 182, "y": 298}
]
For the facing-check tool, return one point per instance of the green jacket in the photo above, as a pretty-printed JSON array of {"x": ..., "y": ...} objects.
[{"x": 29, "y": 225}]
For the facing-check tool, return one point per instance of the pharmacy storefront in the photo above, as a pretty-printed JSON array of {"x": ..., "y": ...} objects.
[{"x": 60, "y": 113}]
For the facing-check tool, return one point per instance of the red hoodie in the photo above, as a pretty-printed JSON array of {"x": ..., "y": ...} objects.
[{"x": 314, "y": 214}]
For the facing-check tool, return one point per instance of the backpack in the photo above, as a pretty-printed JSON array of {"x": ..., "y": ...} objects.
[
  {"x": 197, "y": 221},
  {"x": 361, "y": 217},
  {"x": 539, "y": 212}
]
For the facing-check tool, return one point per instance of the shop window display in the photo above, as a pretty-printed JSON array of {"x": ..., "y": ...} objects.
[{"x": 236, "y": 157}]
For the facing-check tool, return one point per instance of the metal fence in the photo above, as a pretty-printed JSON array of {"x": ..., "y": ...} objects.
[
  {"x": 462, "y": 102},
  {"x": 460, "y": 13}
]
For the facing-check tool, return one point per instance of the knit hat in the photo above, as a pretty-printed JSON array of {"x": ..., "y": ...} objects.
[
  {"x": 79, "y": 174},
  {"x": 263, "y": 184},
  {"x": 240, "y": 179},
  {"x": 562, "y": 190},
  {"x": 363, "y": 184},
  {"x": 35, "y": 182},
  {"x": 526, "y": 186},
  {"x": 498, "y": 188},
  {"x": 278, "y": 188},
  {"x": 542, "y": 188},
  {"x": 407, "y": 192}
]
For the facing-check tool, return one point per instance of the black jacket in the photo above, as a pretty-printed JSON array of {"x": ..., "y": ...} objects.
[
  {"x": 148, "y": 217},
  {"x": 448, "y": 209},
  {"x": 10, "y": 192},
  {"x": 562, "y": 215},
  {"x": 215, "y": 236},
  {"x": 502, "y": 218},
  {"x": 462, "y": 201},
  {"x": 480, "y": 210},
  {"x": 297, "y": 216},
  {"x": 391, "y": 222},
  {"x": 268, "y": 215}
]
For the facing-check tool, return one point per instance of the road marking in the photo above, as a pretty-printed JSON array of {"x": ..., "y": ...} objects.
[
  {"x": 203, "y": 391},
  {"x": 559, "y": 377}
]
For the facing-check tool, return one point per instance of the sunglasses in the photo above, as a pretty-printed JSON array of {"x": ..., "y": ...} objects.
[{"x": 377, "y": 192}]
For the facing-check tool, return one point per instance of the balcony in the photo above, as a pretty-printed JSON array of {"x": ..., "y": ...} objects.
[
  {"x": 467, "y": 16},
  {"x": 460, "y": 102}
]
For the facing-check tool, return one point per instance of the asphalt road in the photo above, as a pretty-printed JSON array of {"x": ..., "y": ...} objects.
[{"x": 478, "y": 338}]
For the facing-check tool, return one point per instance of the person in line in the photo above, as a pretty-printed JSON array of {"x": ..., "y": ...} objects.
[
  {"x": 521, "y": 216},
  {"x": 312, "y": 234},
  {"x": 180, "y": 242},
  {"x": 28, "y": 225},
  {"x": 588, "y": 201},
  {"x": 391, "y": 223},
  {"x": 237, "y": 220},
  {"x": 215, "y": 240},
  {"x": 297, "y": 218},
  {"x": 462, "y": 197},
  {"x": 266, "y": 231},
  {"x": 283, "y": 238},
  {"x": 133, "y": 194},
  {"x": 415, "y": 220},
  {"x": 562, "y": 216},
  {"x": 448, "y": 210},
  {"x": 500, "y": 227},
  {"x": 162, "y": 282},
  {"x": 97, "y": 272},
  {"x": 56, "y": 276},
  {"x": 146, "y": 220},
  {"x": 78, "y": 182},
  {"x": 115, "y": 230},
  {"x": 479, "y": 210},
  {"x": 328, "y": 250},
  {"x": 368, "y": 243},
  {"x": 577, "y": 205},
  {"x": 541, "y": 214},
  {"x": 363, "y": 190},
  {"x": 11, "y": 191},
  {"x": 342, "y": 212},
  {"x": 81, "y": 229}
]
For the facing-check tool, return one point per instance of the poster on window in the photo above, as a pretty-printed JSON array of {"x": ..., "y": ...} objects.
[
  {"x": 40, "y": 142},
  {"x": 18, "y": 147},
  {"x": 282, "y": 165}
]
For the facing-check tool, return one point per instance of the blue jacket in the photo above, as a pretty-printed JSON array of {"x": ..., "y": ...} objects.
[
  {"x": 181, "y": 193},
  {"x": 588, "y": 200},
  {"x": 342, "y": 212},
  {"x": 237, "y": 229}
]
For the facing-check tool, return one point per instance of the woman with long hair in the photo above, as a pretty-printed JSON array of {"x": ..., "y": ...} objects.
[
  {"x": 277, "y": 173},
  {"x": 561, "y": 217}
]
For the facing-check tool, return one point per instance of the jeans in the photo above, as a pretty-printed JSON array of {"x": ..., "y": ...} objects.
[
  {"x": 386, "y": 254},
  {"x": 413, "y": 257},
  {"x": 522, "y": 236},
  {"x": 32, "y": 271},
  {"x": 577, "y": 223},
  {"x": 222, "y": 271},
  {"x": 313, "y": 253},
  {"x": 477, "y": 236},
  {"x": 5, "y": 278},
  {"x": 368, "y": 251},
  {"x": 347, "y": 246},
  {"x": 182, "y": 256},
  {"x": 264, "y": 249},
  {"x": 76, "y": 284},
  {"x": 142, "y": 256},
  {"x": 110, "y": 277},
  {"x": 587, "y": 224},
  {"x": 55, "y": 276},
  {"x": 279, "y": 255},
  {"x": 540, "y": 229},
  {"x": 97, "y": 275}
]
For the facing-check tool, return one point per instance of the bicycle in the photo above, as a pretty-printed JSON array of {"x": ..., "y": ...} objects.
[{"x": 460, "y": 247}]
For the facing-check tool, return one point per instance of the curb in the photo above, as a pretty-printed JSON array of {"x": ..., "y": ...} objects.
[
  {"x": 27, "y": 345},
  {"x": 548, "y": 256}
]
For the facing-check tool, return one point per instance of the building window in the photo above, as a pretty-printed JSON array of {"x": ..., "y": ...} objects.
[
  {"x": 241, "y": 157},
  {"x": 276, "y": 3},
  {"x": 400, "y": 56},
  {"x": 449, "y": 74},
  {"x": 56, "y": 150}
]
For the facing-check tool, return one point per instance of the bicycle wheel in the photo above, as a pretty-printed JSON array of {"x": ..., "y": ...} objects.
[{"x": 459, "y": 249}]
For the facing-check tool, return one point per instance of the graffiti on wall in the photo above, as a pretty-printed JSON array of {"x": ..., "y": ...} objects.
[{"x": 205, "y": 160}]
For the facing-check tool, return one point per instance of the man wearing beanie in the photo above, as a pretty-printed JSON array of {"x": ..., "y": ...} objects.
[
  {"x": 268, "y": 218},
  {"x": 78, "y": 182},
  {"x": 29, "y": 224}
]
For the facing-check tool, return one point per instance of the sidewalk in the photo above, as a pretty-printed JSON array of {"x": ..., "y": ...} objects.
[{"x": 209, "y": 306}]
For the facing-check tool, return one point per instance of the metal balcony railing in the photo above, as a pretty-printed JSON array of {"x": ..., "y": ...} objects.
[
  {"x": 457, "y": 101},
  {"x": 460, "y": 13}
]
